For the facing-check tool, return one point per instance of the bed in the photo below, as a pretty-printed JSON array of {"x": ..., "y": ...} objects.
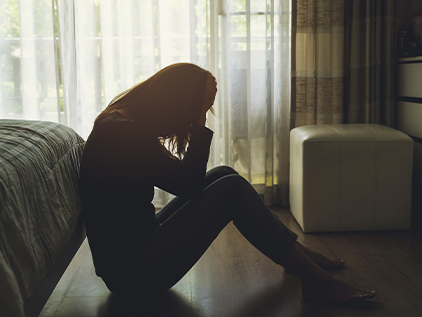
[{"x": 40, "y": 225}]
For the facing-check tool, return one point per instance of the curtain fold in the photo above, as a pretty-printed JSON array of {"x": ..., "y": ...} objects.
[
  {"x": 64, "y": 60},
  {"x": 343, "y": 62},
  {"x": 255, "y": 52},
  {"x": 318, "y": 35},
  {"x": 371, "y": 62}
]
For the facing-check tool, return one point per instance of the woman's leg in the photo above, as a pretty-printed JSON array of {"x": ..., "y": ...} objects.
[
  {"x": 182, "y": 239},
  {"x": 221, "y": 171},
  {"x": 316, "y": 283},
  {"x": 328, "y": 264},
  {"x": 211, "y": 176}
]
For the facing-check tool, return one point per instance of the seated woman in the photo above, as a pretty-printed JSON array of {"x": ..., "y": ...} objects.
[{"x": 136, "y": 251}]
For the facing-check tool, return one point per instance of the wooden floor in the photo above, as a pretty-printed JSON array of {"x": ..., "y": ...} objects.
[{"x": 233, "y": 279}]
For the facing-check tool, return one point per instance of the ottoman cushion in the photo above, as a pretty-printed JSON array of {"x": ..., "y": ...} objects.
[{"x": 346, "y": 177}]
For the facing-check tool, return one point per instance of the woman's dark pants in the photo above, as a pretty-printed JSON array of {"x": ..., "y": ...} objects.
[{"x": 188, "y": 227}]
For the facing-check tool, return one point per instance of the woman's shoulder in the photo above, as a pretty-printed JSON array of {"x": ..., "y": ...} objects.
[
  {"x": 114, "y": 123},
  {"x": 112, "y": 119},
  {"x": 118, "y": 129}
]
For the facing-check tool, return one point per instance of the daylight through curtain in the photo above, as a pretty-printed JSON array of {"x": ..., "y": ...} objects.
[{"x": 64, "y": 60}]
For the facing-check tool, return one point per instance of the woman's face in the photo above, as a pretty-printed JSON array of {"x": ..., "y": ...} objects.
[{"x": 210, "y": 91}]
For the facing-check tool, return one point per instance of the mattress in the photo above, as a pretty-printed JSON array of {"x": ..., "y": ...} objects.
[{"x": 39, "y": 204}]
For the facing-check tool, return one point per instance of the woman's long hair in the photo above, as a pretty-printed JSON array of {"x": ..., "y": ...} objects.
[{"x": 168, "y": 102}]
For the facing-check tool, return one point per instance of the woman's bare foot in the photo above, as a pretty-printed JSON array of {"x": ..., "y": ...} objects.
[
  {"x": 334, "y": 290},
  {"x": 317, "y": 283},
  {"x": 328, "y": 264}
]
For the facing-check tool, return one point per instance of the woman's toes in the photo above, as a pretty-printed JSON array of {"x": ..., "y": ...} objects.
[
  {"x": 335, "y": 291},
  {"x": 367, "y": 295}
]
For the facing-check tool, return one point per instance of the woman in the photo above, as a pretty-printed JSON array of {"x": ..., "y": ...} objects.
[{"x": 136, "y": 251}]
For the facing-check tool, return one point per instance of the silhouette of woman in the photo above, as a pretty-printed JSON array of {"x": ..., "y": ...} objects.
[{"x": 135, "y": 250}]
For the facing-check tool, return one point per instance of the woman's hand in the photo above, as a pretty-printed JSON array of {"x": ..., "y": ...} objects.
[{"x": 209, "y": 96}]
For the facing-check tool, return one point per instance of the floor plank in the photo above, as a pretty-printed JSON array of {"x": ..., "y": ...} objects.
[{"x": 234, "y": 279}]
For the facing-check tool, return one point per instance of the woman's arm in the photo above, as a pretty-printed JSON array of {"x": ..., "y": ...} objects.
[
  {"x": 141, "y": 159},
  {"x": 185, "y": 178}
]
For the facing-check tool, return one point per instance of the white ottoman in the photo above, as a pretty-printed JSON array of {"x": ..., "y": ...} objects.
[{"x": 346, "y": 177}]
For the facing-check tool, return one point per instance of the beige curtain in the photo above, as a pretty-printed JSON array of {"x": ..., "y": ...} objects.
[
  {"x": 318, "y": 56},
  {"x": 371, "y": 59},
  {"x": 343, "y": 61}
]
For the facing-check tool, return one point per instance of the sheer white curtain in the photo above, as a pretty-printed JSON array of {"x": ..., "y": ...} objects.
[
  {"x": 64, "y": 60},
  {"x": 29, "y": 71}
]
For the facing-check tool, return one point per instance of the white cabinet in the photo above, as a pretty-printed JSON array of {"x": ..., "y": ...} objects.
[
  {"x": 409, "y": 120},
  {"x": 410, "y": 75},
  {"x": 409, "y": 112}
]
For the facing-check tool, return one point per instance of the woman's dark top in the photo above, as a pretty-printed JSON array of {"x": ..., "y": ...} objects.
[{"x": 121, "y": 164}]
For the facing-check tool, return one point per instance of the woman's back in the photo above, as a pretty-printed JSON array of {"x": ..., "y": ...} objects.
[{"x": 116, "y": 202}]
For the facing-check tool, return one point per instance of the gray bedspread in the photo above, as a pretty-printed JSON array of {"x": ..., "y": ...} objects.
[{"x": 39, "y": 204}]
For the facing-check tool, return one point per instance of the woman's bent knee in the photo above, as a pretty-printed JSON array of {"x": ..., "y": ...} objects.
[
  {"x": 228, "y": 169},
  {"x": 223, "y": 170},
  {"x": 232, "y": 184},
  {"x": 217, "y": 173}
]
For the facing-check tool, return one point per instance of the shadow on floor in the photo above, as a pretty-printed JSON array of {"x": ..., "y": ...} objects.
[
  {"x": 171, "y": 303},
  {"x": 278, "y": 299}
]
